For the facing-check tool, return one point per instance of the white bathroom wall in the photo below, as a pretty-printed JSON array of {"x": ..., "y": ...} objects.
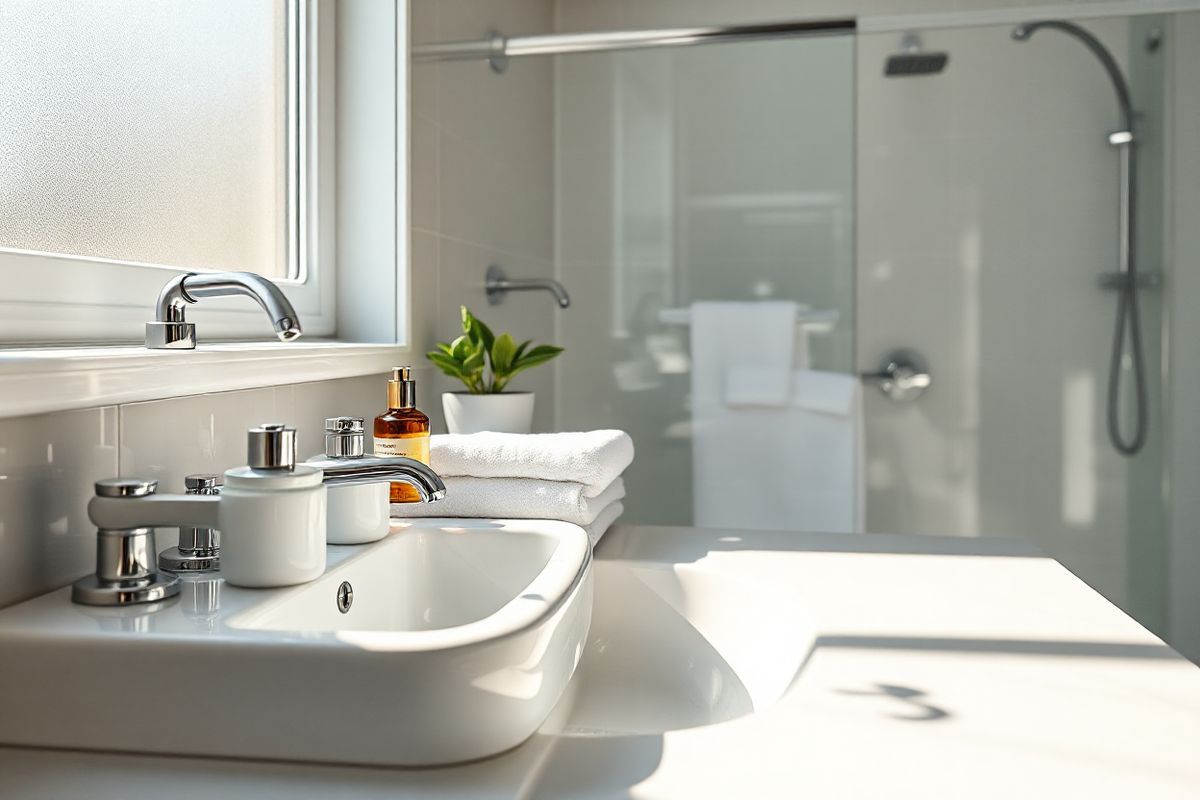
[
  {"x": 986, "y": 208},
  {"x": 987, "y": 211},
  {"x": 482, "y": 184}
]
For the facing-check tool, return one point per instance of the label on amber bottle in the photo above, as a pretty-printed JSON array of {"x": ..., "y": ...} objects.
[{"x": 409, "y": 446}]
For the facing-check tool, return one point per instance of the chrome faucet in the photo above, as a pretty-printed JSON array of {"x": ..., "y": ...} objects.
[
  {"x": 170, "y": 329},
  {"x": 496, "y": 285},
  {"x": 377, "y": 469}
]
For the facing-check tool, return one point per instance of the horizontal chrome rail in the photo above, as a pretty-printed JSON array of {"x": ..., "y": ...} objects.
[{"x": 499, "y": 48}]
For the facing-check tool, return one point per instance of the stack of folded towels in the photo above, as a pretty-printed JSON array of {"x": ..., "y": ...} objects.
[{"x": 573, "y": 477}]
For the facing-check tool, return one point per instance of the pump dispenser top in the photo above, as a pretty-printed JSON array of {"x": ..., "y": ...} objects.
[{"x": 402, "y": 389}]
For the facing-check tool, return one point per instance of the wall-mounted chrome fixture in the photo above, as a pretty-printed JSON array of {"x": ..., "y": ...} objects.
[
  {"x": 170, "y": 329},
  {"x": 1128, "y": 279},
  {"x": 902, "y": 376},
  {"x": 913, "y": 60},
  {"x": 497, "y": 48},
  {"x": 497, "y": 284}
]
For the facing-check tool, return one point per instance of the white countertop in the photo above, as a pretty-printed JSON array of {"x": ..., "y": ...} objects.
[{"x": 940, "y": 668}]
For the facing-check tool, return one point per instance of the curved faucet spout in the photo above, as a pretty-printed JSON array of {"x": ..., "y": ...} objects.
[
  {"x": 382, "y": 469},
  {"x": 170, "y": 328},
  {"x": 497, "y": 284}
]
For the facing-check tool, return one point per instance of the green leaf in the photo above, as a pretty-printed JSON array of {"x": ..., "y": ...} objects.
[
  {"x": 460, "y": 348},
  {"x": 448, "y": 366},
  {"x": 521, "y": 349},
  {"x": 543, "y": 352},
  {"x": 474, "y": 360},
  {"x": 475, "y": 329},
  {"x": 538, "y": 355},
  {"x": 503, "y": 352}
]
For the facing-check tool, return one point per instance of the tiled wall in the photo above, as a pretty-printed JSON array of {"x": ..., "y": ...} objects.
[
  {"x": 986, "y": 205},
  {"x": 48, "y": 463},
  {"x": 987, "y": 201},
  {"x": 482, "y": 183}
]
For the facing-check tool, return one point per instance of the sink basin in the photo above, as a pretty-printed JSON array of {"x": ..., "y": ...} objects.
[{"x": 459, "y": 638}]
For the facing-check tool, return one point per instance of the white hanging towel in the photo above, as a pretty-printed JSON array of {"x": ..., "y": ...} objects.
[{"x": 769, "y": 466}]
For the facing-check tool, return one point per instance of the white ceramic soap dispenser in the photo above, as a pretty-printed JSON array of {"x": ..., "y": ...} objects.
[
  {"x": 272, "y": 514},
  {"x": 357, "y": 513}
]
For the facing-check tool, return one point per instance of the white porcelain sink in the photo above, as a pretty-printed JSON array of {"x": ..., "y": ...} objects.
[{"x": 461, "y": 637}]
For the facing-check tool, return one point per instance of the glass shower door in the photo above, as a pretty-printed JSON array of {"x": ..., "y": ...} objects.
[{"x": 722, "y": 173}]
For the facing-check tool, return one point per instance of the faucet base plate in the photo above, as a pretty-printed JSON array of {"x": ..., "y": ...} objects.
[
  {"x": 92, "y": 591},
  {"x": 175, "y": 560},
  {"x": 171, "y": 335}
]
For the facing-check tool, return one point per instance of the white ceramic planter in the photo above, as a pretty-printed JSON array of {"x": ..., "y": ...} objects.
[{"x": 508, "y": 412}]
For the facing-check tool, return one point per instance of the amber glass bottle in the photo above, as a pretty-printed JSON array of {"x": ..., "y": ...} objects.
[{"x": 402, "y": 430}]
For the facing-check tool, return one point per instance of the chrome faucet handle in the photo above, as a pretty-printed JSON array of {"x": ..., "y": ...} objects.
[
  {"x": 125, "y": 572},
  {"x": 199, "y": 549},
  {"x": 126, "y": 487},
  {"x": 903, "y": 376},
  {"x": 344, "y": 437}
]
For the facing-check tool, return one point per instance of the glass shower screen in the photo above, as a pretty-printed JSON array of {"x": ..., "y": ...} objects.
[{"x": 692, "y": 182}]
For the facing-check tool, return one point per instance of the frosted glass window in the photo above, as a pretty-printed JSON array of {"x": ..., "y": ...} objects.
[{"x": 147, "y": 131}]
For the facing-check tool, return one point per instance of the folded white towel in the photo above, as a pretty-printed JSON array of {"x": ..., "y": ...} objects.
[
  {"x": 752, "y": 344},
  {"x": 592, "y": 458},
  {"x": 604, "y": 521},
  {"x": 516, "y": 498},
  {"x": 755, "y": 385}
]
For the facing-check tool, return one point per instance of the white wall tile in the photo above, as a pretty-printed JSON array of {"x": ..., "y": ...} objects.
[
  {"x": 526, "y": 315},
  {"x": 423, "y": 175},
  {"x": 48, "y": 464},
  {"x": 483, "y": 187},
  {"x": 987, "y": 202},
  {"x": 424, "y": 292}
]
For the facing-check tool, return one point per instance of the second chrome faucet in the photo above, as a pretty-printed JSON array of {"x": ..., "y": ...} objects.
[{"x": 170, "y": 329}]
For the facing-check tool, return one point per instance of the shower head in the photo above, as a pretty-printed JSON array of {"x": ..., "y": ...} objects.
[{"x": 912, "y": 61}]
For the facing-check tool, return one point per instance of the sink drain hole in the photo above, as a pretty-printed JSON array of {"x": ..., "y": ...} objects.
[{"x": 345, "y": 597}]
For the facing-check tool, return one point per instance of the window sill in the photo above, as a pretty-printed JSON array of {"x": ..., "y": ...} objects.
[{"x": 40, "y": 380}]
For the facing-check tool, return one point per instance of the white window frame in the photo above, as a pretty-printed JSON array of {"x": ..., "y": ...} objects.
[
  {"x": 356, "y": 207},
  {"x": 57, "y": 297}
]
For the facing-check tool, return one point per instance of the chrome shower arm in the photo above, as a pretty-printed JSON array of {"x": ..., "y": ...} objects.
[
  {"x": 1025, "y": 30},
  {"x": 497, "y": 284}
]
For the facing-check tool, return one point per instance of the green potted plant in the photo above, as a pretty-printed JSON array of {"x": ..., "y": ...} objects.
[{"x": 485, "y": 363}]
